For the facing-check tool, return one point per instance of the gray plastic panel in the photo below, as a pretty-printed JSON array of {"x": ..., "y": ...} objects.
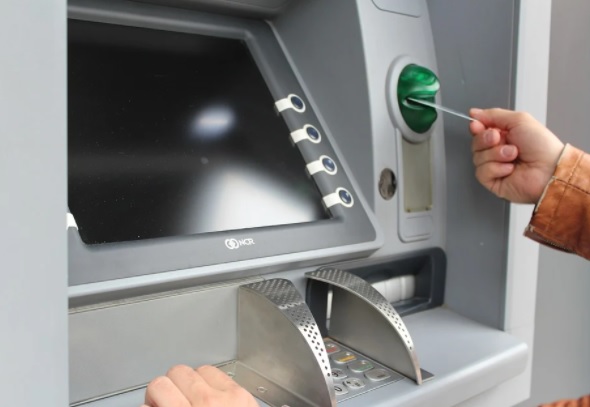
[
  {"x": 391, "y": 41},
  {"x": 250, "y": 8},
  {"x": 120, "y": 345},
  {"x": 33, "y": 188},
  {"x": 330, "y": 65},
  {"x": 343, "y": 63},
  {"x": 350, "y": 233},
  {"x": 466, "y": 357},
  {"x": 410, "y": 8},
  {"x": 475, "y": 42}
]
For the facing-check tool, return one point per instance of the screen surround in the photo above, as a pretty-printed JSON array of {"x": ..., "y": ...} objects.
[{"x": 202, "y": 258}]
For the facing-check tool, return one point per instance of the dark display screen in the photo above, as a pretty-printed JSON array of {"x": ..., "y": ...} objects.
[{"x": 174, "y": 134}]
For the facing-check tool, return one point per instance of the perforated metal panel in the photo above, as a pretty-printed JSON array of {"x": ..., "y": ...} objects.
[
  {"x": 389, "y": 342},
  {"x": 283, "y": 294},
  {"x": 281, "y": 353}
]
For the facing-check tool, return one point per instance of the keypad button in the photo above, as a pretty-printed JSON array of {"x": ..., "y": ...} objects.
[
  {"x": 340, "y": 389},
  {"x": 377, "y": 375},
  {"x": 332, "y": 348},
  {"x": 353, "y": 383},
  {"x": 343, "y": 357},
  {"x": 338, "y": 374},
  {"x": 360, "y": 366}
]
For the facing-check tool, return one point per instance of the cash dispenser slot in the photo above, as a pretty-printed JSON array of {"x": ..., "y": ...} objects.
[
  {"x": 412, "y": 283},
  {"x": 362, "y": 319}
]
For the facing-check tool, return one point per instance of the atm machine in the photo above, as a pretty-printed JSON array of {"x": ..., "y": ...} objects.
[{"x": 250, "y": 187}]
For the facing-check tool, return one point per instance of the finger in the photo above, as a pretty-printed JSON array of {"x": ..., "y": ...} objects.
[
  {"x": 500, "y": 118},
  {"x": 187, "y": 380},
  {"x": 161, "y": 392},
  {"x": 216, "y": 378},
  {"x": 488, "y": 139},
  {"x": 476, "y": 127},
  {"x": 488, "y": 173},
  {"x": 502, "y": 153}
]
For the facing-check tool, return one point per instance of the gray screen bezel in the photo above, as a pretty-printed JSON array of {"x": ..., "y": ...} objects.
[{"x": 349, "y": 232}]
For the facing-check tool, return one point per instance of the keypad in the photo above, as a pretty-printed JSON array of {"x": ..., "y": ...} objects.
[{"x": 353, "y": 373}]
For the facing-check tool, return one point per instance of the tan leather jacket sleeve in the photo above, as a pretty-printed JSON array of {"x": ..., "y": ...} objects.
[
  {"x": 561, "y": 218},
  {"x": 583, "y": 402}
]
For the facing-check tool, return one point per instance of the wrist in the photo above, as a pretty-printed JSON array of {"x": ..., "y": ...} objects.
[{"x": 560, "y": 152}]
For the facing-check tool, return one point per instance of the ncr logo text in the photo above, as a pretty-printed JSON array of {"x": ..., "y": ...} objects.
[{"x": 234, "y": 244}]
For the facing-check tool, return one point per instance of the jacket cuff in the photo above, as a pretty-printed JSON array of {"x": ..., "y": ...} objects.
[{"x": 561, "y": 218}]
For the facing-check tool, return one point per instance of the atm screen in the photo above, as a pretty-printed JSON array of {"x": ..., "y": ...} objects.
[{"x": 174, "y": 134}]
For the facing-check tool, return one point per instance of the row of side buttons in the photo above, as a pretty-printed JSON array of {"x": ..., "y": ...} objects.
[{"x": 324, "y": 163}]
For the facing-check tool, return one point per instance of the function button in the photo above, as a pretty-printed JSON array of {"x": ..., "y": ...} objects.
[
  {"x": 345, "y": 196},
  {"x": 329, "y": 164},
  {"x": 340, "y": 389},
  {"x": 360, "y": 366},
  {"x": 378, "y": 375},
  {"x": 332, "y": 347},
  {"x": 307, "y": 132},
  {"x": 343, "y": 357},
  {"x": 354, "y": 384},
  {"x": 313, "y": 133},
  {"x": 339, "y": 197},
  {"x": 338, "y": 374},
  {"x": 290, "y": 102},
  {"x": 297, "y": 102},
  {"x": 323, "y": 163}
]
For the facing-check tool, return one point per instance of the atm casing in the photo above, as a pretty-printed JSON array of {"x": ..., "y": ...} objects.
[{"x": 340, "y": 67}]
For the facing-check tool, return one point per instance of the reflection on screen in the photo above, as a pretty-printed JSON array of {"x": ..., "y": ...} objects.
[{"x": 172, "y": 134}]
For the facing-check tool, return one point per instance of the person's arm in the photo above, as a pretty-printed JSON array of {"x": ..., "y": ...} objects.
[{"x": 519, "y": 159}]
